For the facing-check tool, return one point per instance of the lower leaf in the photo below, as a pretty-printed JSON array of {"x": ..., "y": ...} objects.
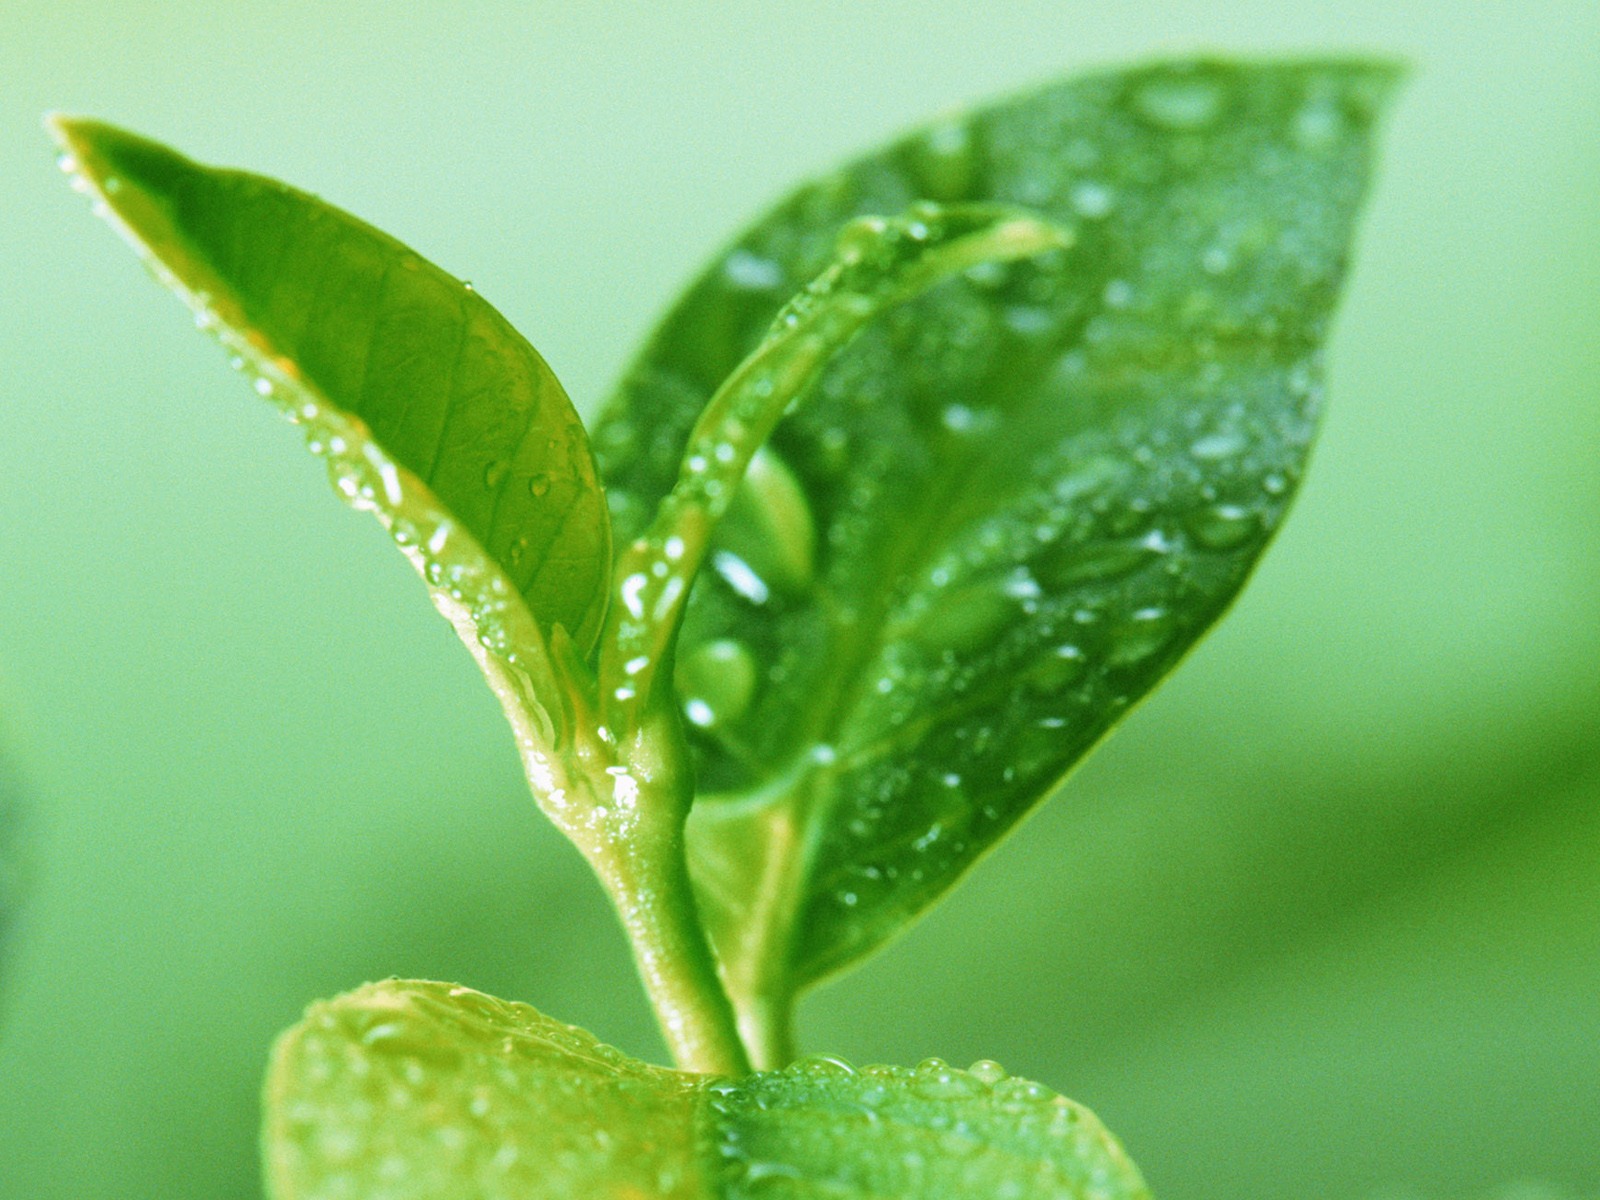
[{"x": 404, "y": 1090}]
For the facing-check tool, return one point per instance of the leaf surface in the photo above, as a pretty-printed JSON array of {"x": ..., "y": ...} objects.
[
  {"x": 433, "y": 412},
  {"x": 1002, "y": 515},
  {"x": 406, "y": 1090}
]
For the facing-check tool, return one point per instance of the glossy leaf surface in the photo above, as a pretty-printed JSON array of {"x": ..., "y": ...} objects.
[
  {"x": 433, "y": 412},
  {"x": 405, "y": 1091},
  {"x": 1004, "y": 513}
]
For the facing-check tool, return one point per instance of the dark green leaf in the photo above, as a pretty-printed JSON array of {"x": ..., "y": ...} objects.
[
  {"x": 881, "y": 262},
  {"x": 432, "y": 410},
  {"x": 423, "y": 1091},
  {"x": 1012, "y": 505}
]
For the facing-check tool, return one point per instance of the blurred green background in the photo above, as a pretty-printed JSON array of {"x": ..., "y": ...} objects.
[{"x": 1322, "y": 920}]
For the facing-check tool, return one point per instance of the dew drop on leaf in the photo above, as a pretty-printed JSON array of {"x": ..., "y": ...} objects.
[
  {"x": 1068, "y": 565},
  {"x": 717, "y": 680},
  {"x": 1144, "y": 633},
  {"x": 1319, "y": 125},
  {"x": 749, "y": 272},
  {"x": 1093, "y": 200},
  {"x": 1179, "y": 103},
  {"x": 1223, "y": 526},
  {"x": 986, "y": 1070},
  {"x": 1060, "y": 668}
]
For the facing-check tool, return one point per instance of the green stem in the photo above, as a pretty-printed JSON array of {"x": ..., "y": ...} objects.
[
  {"x": 766, "y": 1024},
  {"x": 635, "y": 839},
  {"x": 627, "y": 815},
  {"x": 652, "y": 895}
]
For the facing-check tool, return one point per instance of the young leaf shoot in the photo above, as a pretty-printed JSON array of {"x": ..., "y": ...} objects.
[{"x": 924, "y": 483}]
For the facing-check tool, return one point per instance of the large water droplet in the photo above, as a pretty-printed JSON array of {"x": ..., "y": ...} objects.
[
  {"x": 1223, "y": 526},
  {"x": 943, "y": 1082},
  {"x": 1060, "y": 668},
  {"x": 965, "y": 617},
  {"x": 986, "y": 1070},
  {"x": 1068, "y": 564},
  {"x": 1143, "y": 634},
  {"x": 827, "y": 1065},
  {"x": 769, "y": 526},
  {"x": 717, "y": 680}
]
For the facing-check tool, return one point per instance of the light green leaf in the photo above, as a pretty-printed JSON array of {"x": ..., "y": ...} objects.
[
  {"x": 1004, "y": 513},
  {"x": 433, "y": 412},
  {"x": 424, "y": 1091}
]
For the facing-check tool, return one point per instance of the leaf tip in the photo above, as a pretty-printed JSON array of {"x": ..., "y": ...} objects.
[{"x": 106, "y": 157}]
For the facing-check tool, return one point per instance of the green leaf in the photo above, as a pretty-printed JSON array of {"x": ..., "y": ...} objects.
[
  {"x": 880, "y": 262},
  {"x": 433, "y": 412},
  {"x": 408, "y": 1090},
  {"x": 1012, "y": 505}
]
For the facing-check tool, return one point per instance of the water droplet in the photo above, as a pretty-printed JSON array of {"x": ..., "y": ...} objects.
[
  {"x": 1068, "y": 564},
  {"x": 964, "y": 617},
  {"x": 632, "y": 591},
  {"x": 769, "y": 525},
  {"x": 1093, "y": 200},
  {"x": 986, "y": 1070},
  {"x": 263, "y": 386},
  {"x": 752, "y": 273},
  {"x": 1060, "y": 668},
  {"x": 1028, "y": 320},
  {"x": 958, "y": 418},
  {"x": 1319, "y": 124},
  {"x": 740, "y": 577},
  {"x": 1179, "y": 102},
  {"x": 1216, "y": 446},
  {"x": 1216, "y": 260},
  {"x": 945, "y": 1083},
  {"x": 826, "y": 1064},
  {"x": 1223, "y": 526},
  {"x": 1143, "y": 634},
  {"x": 495, "y": 473},
  {"x": 717, "y": 680},
  {"x": 539, "y": 485},
  {"x": 861, "y": 238}
]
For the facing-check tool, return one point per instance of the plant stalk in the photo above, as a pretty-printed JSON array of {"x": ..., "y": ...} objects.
[{"x": 653, "y": 896}]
